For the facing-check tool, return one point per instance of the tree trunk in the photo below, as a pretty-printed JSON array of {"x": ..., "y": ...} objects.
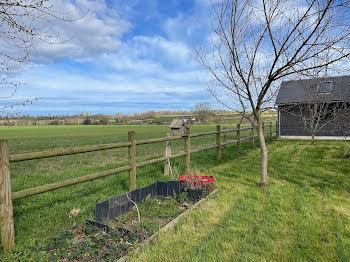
[
  {"x": 263, "y": 149},
  {"x": 313, "y": 139}
]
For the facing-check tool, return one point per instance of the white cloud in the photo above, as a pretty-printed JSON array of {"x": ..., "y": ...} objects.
[
  {"x": 66, "y": 92},
  {"x": 150, "y": 72},
  {"x": 152, "y": 57},
  {"x": 98, "y": 32}
]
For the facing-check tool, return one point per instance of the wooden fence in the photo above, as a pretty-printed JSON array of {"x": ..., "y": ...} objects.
[{"x": 6, "y": 195}]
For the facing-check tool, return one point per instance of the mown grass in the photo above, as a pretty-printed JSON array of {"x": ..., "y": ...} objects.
[
  {"x": 39, "y": 217},
  {"x": 32, "y": 139},
  {"x": 303, "y": 215}
]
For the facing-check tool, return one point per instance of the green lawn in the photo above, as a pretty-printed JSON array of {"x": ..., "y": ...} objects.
[
  {"x": 303, "y": 215},
  {"x": 33, "y": 139},
  {"x": 39, "y": 217}
]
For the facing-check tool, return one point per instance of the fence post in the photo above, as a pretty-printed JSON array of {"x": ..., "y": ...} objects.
[
  {"x": 218, "y": 142},
  {"x": 6, "y": 209},
  {"x": 252, "y": 135},
  {"x": 270, "y": 130},
  {"x": 238, "y": 137},
  {"x": 188, "y": 152},
  {"x": 225, "y": 140},
  {"x": 132, "y": 160},
  {"x": 167, "y": 153},
  {"x": 276, "y": 128}
]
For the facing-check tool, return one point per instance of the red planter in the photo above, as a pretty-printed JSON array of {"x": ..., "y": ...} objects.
[{"x": 203, "y": 180}]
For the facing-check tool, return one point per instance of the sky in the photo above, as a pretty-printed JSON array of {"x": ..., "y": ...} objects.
[{"x": 120, "y": 57}]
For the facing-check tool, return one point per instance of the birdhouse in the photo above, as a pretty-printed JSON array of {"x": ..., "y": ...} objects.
[{"x": 178, "y": 127}]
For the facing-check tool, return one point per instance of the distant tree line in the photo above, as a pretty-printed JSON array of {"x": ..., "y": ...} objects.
[{"x": 202, "y": 113}]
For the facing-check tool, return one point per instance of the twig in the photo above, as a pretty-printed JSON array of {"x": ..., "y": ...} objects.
[{"x": 138, "y": 212}]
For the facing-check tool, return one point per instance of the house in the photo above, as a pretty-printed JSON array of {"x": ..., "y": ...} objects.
[{"x": 319, "y": 105}]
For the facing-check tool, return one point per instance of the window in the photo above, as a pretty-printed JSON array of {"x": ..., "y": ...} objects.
[{"x": 325, "y": 87}]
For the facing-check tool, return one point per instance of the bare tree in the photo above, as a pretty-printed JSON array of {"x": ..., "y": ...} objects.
[
  {"x": 202, "y": 111},
  {"x": 22, "y": 23},
  {"x": 256, "y": 44}
]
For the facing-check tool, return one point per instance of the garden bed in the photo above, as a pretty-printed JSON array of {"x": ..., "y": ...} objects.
[{"x": 115, "y": 237}]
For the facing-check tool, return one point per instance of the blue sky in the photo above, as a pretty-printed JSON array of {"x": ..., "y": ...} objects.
[{"x": 122, "y": 57}]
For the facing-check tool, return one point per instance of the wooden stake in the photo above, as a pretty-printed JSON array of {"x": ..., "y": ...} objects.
[
  {"x": 6, "y": 209},
  {"x": 238, "y": 137},
  {"x": 276, "y": 128},
  {"x": 252, "y": 135},
  {"x": 225, "y": 140},
  {"x": 132, "y": 160},
  {"x": 218, "y": 142},
  {"x": 167, "y": 153},
  {"x": 188, "y": 152},
  {"x": 270, "y": 130}
]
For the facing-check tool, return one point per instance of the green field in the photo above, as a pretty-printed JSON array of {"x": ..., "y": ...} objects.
[
  {"x": 303, "y": 215},
  {"x": 39, "y": 217}
]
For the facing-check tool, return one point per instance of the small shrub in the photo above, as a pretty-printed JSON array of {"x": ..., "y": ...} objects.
[{"x": 181, "y": 198}]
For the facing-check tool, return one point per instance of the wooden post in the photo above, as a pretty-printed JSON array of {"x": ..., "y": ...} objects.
[
  {"x": 6, "y": 209},
  {"x": 167, "y": 153},
  {"x": 218, "y": 142},
  {"x": 252, "y": 135},
  {"x": 188, "y": 152},
  {"x": 270, "y": 130},
  {"x": 225, "y": 140},
  {"x": 276, "y": 128},
  {"x": 132, "y": 160},
  {"x": 238, "y": 137}
]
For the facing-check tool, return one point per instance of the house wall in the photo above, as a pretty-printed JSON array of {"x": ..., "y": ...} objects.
[{"x": 290, "y": 124}]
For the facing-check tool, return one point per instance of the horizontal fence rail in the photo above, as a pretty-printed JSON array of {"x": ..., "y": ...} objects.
[
  {"x": 68, "y": 182},
  {"x": 63, "y": 152},
  {"x": 157, "y": 140},
  {"x": 204, "y": 134},
  {"x": 6, "y": 196},
  {"x": 158, "y": 160},
  {"x": 203, "y": 149},
  {"x": 229, "y": 143}
]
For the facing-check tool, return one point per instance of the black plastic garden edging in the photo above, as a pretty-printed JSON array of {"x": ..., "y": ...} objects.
[{"x": 121, "y": 204}]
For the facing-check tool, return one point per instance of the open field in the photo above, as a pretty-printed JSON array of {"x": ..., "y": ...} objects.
[
  {"x": 39, "y": 217},
  {"x": 303, "y": 215}
]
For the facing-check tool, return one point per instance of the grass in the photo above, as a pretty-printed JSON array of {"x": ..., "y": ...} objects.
[
  {"x": 39, "y": 217},
  {"x": 303, "y": 215},
  {"x": 32, "y": 139}
]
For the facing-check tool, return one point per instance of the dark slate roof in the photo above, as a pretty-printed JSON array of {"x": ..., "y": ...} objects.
[{"x": 299, "y": 91}]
